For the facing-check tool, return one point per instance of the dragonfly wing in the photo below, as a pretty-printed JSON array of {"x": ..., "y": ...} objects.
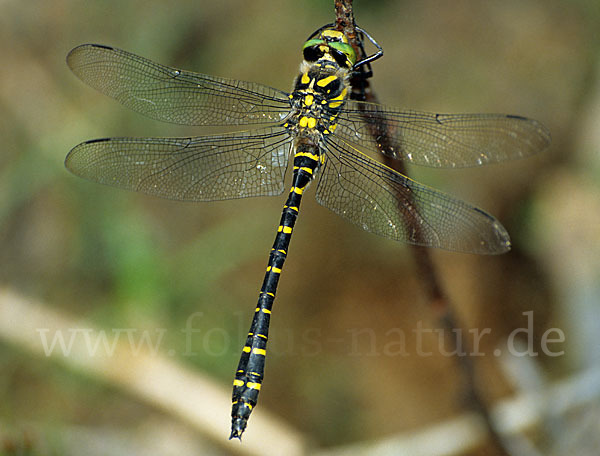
[
  {"x": 384, "y": 202},
  {"x": 172, "y": 95},
  {"x": 204, "y": 168},
  {"x": 440, "y": 140}
]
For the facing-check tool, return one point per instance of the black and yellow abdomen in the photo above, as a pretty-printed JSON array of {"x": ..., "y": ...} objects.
[{"x": 250, "y": 371}]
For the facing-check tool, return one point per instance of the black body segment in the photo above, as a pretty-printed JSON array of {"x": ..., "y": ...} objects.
[{"x": 250, "y": 371}]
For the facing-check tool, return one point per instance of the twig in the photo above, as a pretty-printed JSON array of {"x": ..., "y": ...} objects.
[
  {"x": 155, "y": 378},
  {"x": 22, "y": 319},
  {"x": 439, "y": 301},
  {"x": 463, "y": 433}
]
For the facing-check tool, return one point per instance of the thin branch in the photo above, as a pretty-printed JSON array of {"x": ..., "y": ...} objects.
[
  {"x": 178, "y": 392},
  {"x": 463, "y": 433},
  {"x": 156, "y": 378},
  {"x": 439, "y": 301}
]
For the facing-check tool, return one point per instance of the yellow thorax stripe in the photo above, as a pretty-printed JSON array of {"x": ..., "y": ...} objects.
[
  {"x": 341, "y": 96},
  {"x": 325, "y": 81}
]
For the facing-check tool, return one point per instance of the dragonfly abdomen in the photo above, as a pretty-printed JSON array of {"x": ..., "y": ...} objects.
[{"x": 251, "y": 368}]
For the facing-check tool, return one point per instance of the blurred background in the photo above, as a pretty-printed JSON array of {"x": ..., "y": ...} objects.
[{"x": 346, "y": 373}]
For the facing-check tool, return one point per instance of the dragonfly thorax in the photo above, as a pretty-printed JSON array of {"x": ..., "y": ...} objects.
[{"x": 320, "y": 91}]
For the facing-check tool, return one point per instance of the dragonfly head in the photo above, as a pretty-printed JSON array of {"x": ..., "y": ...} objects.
[{"x": 330, "y": 45}]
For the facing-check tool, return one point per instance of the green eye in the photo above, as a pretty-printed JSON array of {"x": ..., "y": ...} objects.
[
  {"x": 345, "y": 49},
  {"x": 313, "y": 42}
]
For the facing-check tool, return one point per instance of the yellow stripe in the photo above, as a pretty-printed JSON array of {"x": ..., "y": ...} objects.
[
  {"x": 308, "y": 154},
  {"x": 271, "y": 294},
  {"x": 328, "y": 56},
  {"x": 237, "y": 382},
  {"x": 294, "y": 208},
  {"x": 335, "y": 104},
  {"x": 297, "y": 190},
  {"x": 276, "y": 270},
  {"x": 267, "y": 311},
  {"x": 262, "y": 336},
  {"x": 341, "y": 96},
  {"x": 309, "y": 122},
  {"x": 305, "y": 79},
  {"x": 286, "y": 230},
  {"x": 308, "y": 100},
  {"x": 246, "y": 349},
  {"x": 253, "y": 385},
  {"x": 323, "y": 82},
  {"x": 339, "y": 36},
  {"x": 259, "y": 351}
]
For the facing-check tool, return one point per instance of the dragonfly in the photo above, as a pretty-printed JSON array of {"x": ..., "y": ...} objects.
[{"x": 327, "y": 136}]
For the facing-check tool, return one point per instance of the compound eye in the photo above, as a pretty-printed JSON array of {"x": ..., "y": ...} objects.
[
  {"x": 311, "y": 50},
  {"x": 312, "y": 54},
  {"x": 343, "y": 54},
  {"x": 340, "y": 58}
]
